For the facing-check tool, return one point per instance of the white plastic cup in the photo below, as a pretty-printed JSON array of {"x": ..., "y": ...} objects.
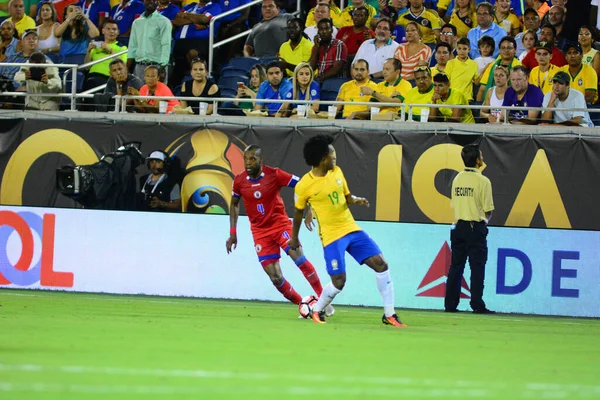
[
  {"x": 375, "y": 110},
  {"x": 162, "y": 106},
  {"x": 331, "y": 112},
  {"x": 301, "y": 110},
  {"x": 424, "y": 114},
  {"x": 202, "y": 108}
]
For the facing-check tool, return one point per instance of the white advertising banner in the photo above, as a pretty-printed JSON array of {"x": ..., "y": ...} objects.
[{"x": 536, "y": 271}]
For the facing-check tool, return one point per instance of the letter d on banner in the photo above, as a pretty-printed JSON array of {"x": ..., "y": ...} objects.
[{"x": 527, "y": 272}]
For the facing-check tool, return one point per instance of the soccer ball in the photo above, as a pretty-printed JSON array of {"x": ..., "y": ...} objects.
[{"x": 306, "y": 305}]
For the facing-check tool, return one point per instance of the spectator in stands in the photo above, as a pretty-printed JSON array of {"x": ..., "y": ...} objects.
[
  {"x": 495, "y": 96},
  {"x": 191, "y": 35},
  {"x": 464, "y": 17},
  {"x": 269, "y": 34},
  {"x": 462, "y": 71},
  {"x": 29, "y": 44},
  {"x": 448, "y": 34},
  {"x": 507, "y": 58},
  {"x": 304, "y": 88},
  {"x": 485, "y": 27},
  {"x": 21, "y": 21},
  {"x": 548, "y": 35},
  {"x": 377, "y": 51},
  {"x": 556, "y": 18},
  {"x": 40, "y": 80},
  {"x": 530, "y": 40},
  {"x": 392, "y": 10},
  {"x": 591, "y": 56},
  {"x": 170, "y": 10},
  {"x": 422, "y": 93},
  {"x": 232, "y": 25},
  {"x": 333, "y": 13},
  {"x": 392, "y": 89},
  {"x": 49, "y": 44},
  {"x": 532, "y": 22},
  {"x": 257, "y": 76},
  {"x": 99, "y": 73},
  {"x": 541, "y": 76},
  {"x": 125, "y": 13},
  {"x": 150, "y": 41},
  {"x": 275, "y": 87},
  {"x": 354, "y": 36},
  {"x": 329, "y": 54},
  {"x": 522, "y": 94},
  {"x": 486, "y": 46},
  {"x": 443, "y": 95},
  {"x": 347, "y": 15},
  {"x": 442, "y": 56},
  {"x": 296, "y": 50},
  {"x": 200, "y": 86},
  {"x": 428, "y": 22},
  {"x": 351, "y": 91},
  {"x": 8, "y": 45},
  {"x": 540, "y": 6},
  {"x": 506, "y": 19},
  {"x": 153, "y": 87},
  {"x": 413, "y": 52},
  {"x": 321, "y": 11},
  {"x": 118, "y": 84},
  {"x": 76, "y": 32},
  {"x": 583, "y": 77},
  {"x": 96, "y": 10},
  {"x": 562, "y": 96}
]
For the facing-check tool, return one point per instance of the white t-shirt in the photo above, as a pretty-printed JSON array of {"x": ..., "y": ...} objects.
[
  {"x": 375, "y": 56},
  {"x": 312, "y": 31},
  {"x": 574, "y": 100}
]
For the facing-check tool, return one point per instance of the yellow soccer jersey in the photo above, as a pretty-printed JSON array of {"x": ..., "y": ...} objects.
[
  {"x": 456, "y": 97},
  {"x": 462, "y": 74},
  {"x": 345, "y": 18},
  {"x": 350, "y": 92},
  {"x": 428, "y": 22},
  {"x": 327, "y": 198},
  {"x": 401, "y": 86},
  {"x": 415, "y": 97},
  {"x": 543, "y": 80},
  {"x": 586, "y": 79}
]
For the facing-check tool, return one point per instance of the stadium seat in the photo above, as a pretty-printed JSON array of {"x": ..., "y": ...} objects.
[
  {"x": 54, "y": 57},
  {"x": 333, "y": 84},
  {"x": 74, "y": 59},
  {"x": 177, "y": 90},
  {"x": 266, "y": 60},
  {"x": 594, "y": 116},
  {"x": 243, "y": 63},
  {"x": 231, "y": 81},
  {"x": 228, "y": 92},
  {"x": 233, "y": 71},
  {"x": 69, "y": 81}
]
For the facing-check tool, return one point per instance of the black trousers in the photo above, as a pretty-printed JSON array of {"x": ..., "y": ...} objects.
[{"x": 468, "y": 240}]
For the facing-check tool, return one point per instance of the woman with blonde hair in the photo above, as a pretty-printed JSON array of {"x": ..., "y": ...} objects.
[
  {"x": 529, "y": 40},
  {"x": 49, "y": 44},
  {"x": 413, "y": 52},
  {"x": 257, "y": 76},
  {"x": 464, "y": 17},
  {"x": 304, "y": 88}
]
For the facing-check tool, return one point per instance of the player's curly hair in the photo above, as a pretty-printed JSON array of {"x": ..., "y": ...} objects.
[{"x": 316, "y": 148}]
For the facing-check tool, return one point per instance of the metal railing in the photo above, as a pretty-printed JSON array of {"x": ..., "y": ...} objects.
[{"x": 211, "y": 30}]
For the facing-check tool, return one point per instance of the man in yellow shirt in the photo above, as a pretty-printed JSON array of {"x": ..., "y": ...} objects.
[
  {"x": 420, "y": 94},
  {"x": 22, "y": 22},
  {"x": 462, "y": 71},
  {"x": 429, "y": 21},
  {"x": 392, "y": 89},
  {"x": 351, "y": 91},
  {"x": 327, "y": 192},
  {"x": 473, "y": 204},
  {"x": 296, "y": 50},
  {"x": 345, "y": 18},
  {"x": 442, "y": 94},
  {"x": 583, "y": 77},
  {"x": 333, "y": 13},
  {"x": 541, "y": 76}
]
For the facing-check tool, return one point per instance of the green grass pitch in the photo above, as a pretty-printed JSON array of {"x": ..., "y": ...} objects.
[{"x": 85, "y": 346}]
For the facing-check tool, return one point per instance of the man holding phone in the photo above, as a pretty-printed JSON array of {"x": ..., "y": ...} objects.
[{"x": 40, "y": 80}]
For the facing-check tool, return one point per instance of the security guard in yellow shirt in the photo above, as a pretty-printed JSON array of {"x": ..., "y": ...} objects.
[{"x": 473, "y": 205}]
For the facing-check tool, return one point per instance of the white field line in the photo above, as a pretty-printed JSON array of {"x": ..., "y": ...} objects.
[{"x": 130, "y": 298}]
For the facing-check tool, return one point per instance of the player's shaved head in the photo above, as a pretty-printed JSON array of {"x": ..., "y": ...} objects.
[
  {"x": 316, "y": 149},
  {"x": 253, "y": 160},
  {"x": 255, "y": 148}
]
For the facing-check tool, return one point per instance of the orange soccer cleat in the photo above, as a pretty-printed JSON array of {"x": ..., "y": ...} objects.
[
  {"x": 319, "y": 317},
  {"x": 393, "y": 320}
]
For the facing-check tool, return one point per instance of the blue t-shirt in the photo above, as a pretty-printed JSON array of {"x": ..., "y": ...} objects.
[
  {"x": 190, "y": 31},
  {"x": 314, "y": 93},
  {"x": 227, "y": 5},
  {"x": 169, "y": 11},
  {"x": 124, "y": 16},
  {"x": 514, "y": 4},
  {"x": 533, "y": 98},
  {"x": 70, "y": 46},
  {"x": 265, "y": 91},
  {"x": 95, "y": 9}
]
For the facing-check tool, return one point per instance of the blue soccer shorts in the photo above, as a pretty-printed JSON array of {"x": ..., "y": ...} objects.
[{"x": 358, "y": 244}]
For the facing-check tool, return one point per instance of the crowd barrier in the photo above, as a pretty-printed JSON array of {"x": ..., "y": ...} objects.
[{"x": 533, "y": 271}]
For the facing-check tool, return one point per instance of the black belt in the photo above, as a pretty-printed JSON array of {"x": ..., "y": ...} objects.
[
  {"x": 470, "y": 222},
  {"x": 146, "y": 63}
]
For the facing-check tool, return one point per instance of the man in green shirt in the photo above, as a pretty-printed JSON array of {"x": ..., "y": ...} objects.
[{"x": 3, "y": 10}]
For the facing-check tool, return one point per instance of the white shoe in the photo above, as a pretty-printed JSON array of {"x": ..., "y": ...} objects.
[{"x": 329, "y": 310}]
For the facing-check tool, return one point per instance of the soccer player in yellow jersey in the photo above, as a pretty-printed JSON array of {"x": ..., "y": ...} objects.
[{"x": 326, "y": 190}]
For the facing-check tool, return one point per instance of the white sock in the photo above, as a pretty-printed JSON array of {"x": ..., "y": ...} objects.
[
  {"x": 329, "y": 293},
  {"x": 386, "y": 289}
]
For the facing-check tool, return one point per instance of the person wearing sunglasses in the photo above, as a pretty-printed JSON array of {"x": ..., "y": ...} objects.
[{"x": 420, "y": 94}]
